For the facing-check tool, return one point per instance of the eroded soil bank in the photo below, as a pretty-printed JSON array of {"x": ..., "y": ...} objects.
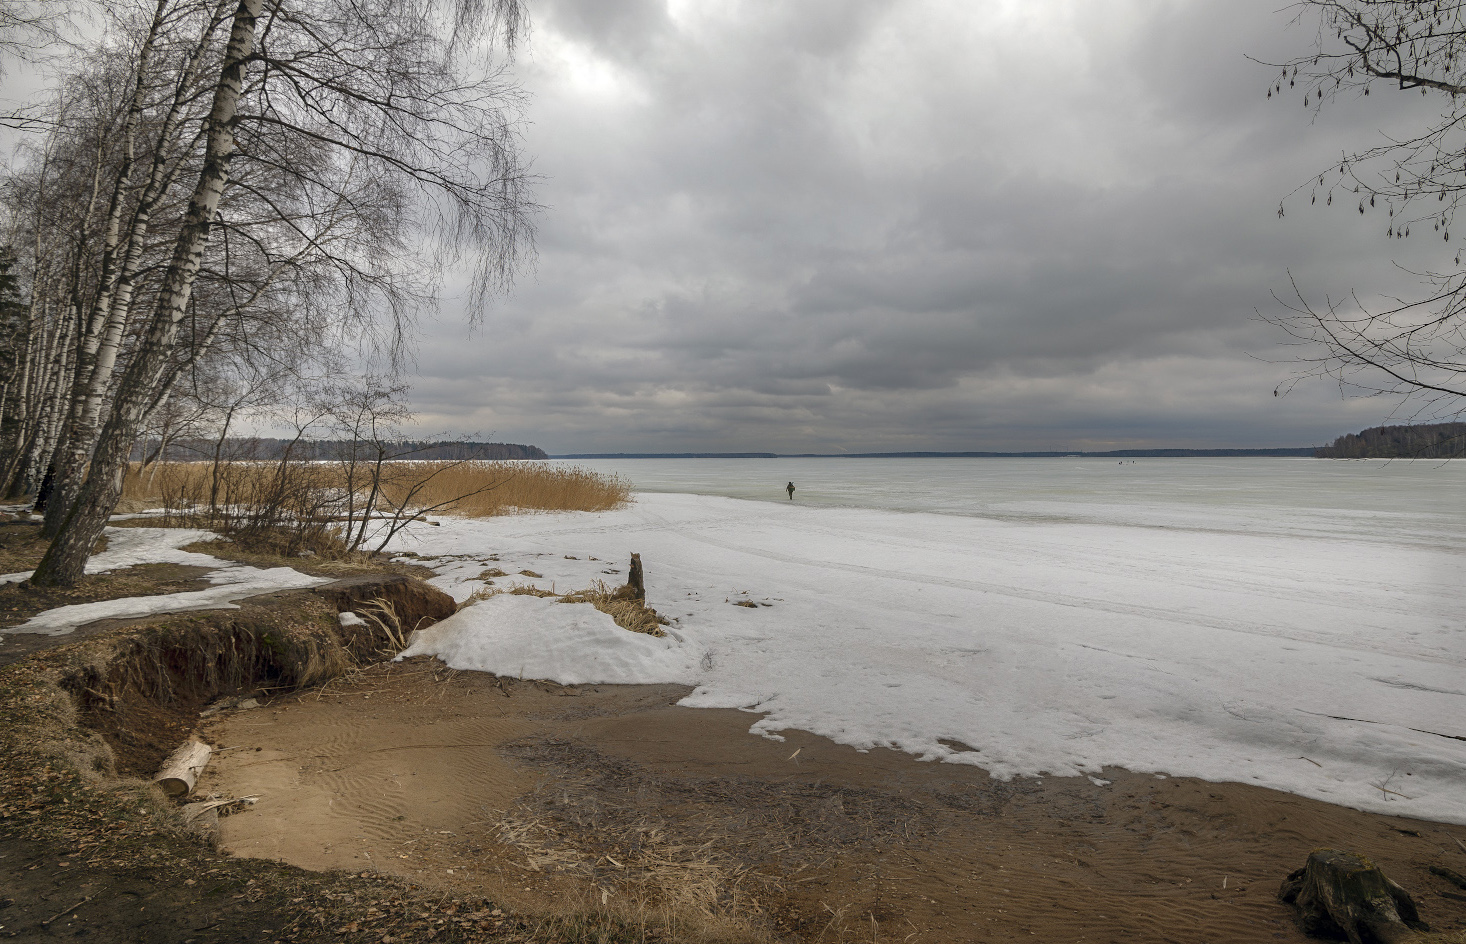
[
  {"x": 89, "y": 849},
  {"x": 533, "y": 795}
]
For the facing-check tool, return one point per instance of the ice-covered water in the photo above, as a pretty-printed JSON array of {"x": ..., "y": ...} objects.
[
  {"x": 1396, "y": 501},
  {"x": 1290, "y": 623}
]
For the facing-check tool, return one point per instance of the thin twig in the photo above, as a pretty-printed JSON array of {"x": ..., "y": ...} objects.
[{"x": 65, "y": 910}]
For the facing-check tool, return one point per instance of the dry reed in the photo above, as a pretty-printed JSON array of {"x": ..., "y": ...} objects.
[{"x": 468, "y": 489}]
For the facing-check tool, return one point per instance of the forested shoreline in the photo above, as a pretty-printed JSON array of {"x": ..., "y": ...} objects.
[
  {"x": 266, "y": 449},
  {"x": 1433, "y": 441}
]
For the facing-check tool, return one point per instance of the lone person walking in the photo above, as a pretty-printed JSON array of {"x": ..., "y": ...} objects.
[{"x": 790, "y": 489}]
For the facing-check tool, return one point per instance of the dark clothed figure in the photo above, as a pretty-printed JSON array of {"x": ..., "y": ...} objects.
[
  {"x": 790, "y": 489},
  {"x": 43, "y": 494}
]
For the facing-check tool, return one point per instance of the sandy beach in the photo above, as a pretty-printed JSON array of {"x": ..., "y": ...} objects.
[{"x": 551, "y": 797}]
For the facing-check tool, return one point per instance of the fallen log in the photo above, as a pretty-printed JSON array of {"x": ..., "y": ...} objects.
[
  {"x": 182, "y": 768},
  {"x": 1339, "y": 893}
]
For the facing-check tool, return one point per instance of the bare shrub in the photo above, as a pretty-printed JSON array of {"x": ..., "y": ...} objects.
[{"x": 285, "y": 508}]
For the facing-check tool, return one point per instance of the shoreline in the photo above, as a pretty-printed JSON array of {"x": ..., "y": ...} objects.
[
  {"x": 533, "y": 794},
  {"x": 614, "y": 801},
  {"x": 1284, "y": 660}
]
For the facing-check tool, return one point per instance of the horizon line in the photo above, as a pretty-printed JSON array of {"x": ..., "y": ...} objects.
[{"x": 1157, "y": 453}]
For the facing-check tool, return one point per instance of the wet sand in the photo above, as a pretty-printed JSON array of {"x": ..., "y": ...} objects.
[{"x": 538, "y": 795}]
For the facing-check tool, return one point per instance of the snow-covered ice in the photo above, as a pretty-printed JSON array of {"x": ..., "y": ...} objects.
[
  {"x": 128, "y": 547},
  {"x": 1307, "y": 662}
]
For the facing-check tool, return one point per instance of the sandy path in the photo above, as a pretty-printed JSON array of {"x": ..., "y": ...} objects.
[{"x": 537, "y": 795}]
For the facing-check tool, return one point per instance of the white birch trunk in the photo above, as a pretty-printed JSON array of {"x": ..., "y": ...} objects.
[
  {"x": 181, "y": 770},
  {"x": 108, "y": 314},
  {"x": 148, "y": 372}
]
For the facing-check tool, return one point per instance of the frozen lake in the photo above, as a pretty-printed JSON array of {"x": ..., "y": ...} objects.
[
  {"x": 1390, "y": 500},
  {"x": 1296, "y": 624}
]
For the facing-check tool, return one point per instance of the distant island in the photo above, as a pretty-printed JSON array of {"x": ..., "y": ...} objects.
[
  {"x": 1430, "y": 441},
  {"x": 317, "y": 450}
]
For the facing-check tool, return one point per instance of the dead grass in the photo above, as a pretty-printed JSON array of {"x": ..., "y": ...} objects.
[
  {"x": 467, "y": 489},
  {"x": 722, "y": 854},
  {"x": 21, "y": 545},
  {"x": 642, "y": 876},
  {"x": 509, "y": 487},
  {"x": 629, "y": 613}
]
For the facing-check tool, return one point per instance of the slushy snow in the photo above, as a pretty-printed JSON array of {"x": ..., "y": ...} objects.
[{"x": 1326, "y": 667}]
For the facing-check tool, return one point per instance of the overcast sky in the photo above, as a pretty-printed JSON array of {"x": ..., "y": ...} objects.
[{"x": 857, "y": 225}]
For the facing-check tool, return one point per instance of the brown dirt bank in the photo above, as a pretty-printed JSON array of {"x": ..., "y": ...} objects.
[
  {"x": 88, "y": 852},
  {"x": 530, "y": 793}
]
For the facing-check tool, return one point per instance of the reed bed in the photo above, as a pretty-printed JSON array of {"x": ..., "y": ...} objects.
[
  {"x": 499, "y": 488},
  {"x": 467, "y": 489}
]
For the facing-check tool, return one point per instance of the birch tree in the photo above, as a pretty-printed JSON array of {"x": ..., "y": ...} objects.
[{"x": 339, "y": 136}]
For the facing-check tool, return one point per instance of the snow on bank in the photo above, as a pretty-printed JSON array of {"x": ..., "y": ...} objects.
[
  {"x": 1321, "y": 665},
  {"x": 232, "y": 583},
  {"x": 128, "y": 547},
  {"x": 573, "y": 643}
]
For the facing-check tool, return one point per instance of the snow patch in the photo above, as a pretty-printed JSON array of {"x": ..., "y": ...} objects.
[
  {"x": 571, "y": 643},
  {"x": 129, "y": 547},
  {"x": 1059, "y": 648},
  {"x": 232, "y": 583}
]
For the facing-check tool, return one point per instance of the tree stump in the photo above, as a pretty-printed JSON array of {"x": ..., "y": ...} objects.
[
  {"x": 634, "y": 580},
  {"x": 1339, "y": 893}
]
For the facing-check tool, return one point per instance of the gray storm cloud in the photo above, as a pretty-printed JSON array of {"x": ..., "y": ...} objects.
[{"x": 824, "y": 226}]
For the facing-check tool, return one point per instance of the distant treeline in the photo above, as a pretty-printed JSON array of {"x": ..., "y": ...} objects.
[
  {"x": 1433, "y": 441},
  {"x": 1120, "y": 453},
  {"x": 315, "y": 450}
]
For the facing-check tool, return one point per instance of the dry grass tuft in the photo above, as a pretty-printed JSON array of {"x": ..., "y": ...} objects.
[
  {"x": 383, "y": 615},
  {"x": 630, "y": 614},
  {"x": 468, "y": 489},
  {"x": 518, "y": 589}
]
